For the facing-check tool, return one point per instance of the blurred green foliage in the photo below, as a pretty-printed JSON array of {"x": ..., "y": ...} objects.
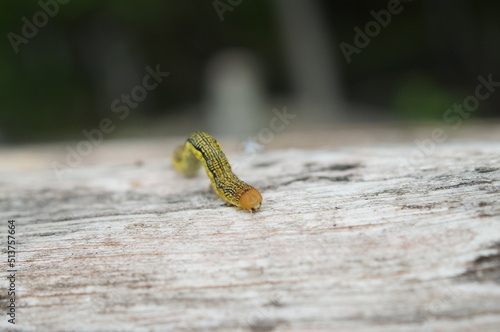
[{"x": 422, "y": 98}]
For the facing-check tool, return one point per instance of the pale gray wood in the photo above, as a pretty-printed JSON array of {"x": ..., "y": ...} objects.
[{"x": 346, "y": 240}]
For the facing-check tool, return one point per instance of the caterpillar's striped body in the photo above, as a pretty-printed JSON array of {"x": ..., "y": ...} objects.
[{"x": 201, "y": 148}]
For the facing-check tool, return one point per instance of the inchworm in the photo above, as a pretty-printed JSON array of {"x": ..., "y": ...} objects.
[{"x": 201, "y": 148}]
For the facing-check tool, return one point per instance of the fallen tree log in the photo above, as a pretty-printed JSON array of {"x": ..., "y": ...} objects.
[{"x": 353, "y": 238}]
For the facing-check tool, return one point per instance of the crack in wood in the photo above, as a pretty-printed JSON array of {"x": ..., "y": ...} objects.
[
  {"x": 463, "y": 184},
  {"x": 485, "y": 268}
]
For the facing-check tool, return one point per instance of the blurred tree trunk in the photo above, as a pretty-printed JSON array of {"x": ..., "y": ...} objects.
[{"x": 309, "y": 51}]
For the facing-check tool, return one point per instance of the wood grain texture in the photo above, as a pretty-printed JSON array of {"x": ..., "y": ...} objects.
[{"x": 346, "y": 240}]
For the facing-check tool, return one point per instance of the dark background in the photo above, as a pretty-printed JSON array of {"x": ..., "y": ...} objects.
[{"x": 65, "y": 78}]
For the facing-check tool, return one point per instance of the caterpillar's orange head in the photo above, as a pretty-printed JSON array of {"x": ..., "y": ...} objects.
[{"x": 251, "y": 200}]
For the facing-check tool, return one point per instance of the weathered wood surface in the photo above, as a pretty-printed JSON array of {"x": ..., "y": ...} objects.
[{"x": 346, "y": 241}]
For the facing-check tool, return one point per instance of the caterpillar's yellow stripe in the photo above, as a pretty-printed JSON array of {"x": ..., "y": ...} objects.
[{"x": 201, "y": 148}]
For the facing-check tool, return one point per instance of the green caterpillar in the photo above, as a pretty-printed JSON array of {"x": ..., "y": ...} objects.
[{"x": 201, "y": 148}]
